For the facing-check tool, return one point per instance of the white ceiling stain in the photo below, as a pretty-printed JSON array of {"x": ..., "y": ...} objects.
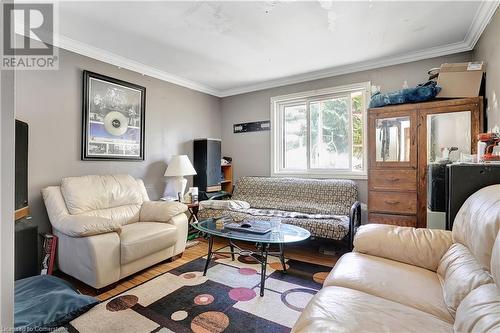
[
  {"x": 268, "y": 6},
  {"x": 209, "y": 16},
  {"x": 331, "y": 15}
]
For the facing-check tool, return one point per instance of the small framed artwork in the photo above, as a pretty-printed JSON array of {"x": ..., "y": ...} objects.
[{"x": 113, "y": 119}]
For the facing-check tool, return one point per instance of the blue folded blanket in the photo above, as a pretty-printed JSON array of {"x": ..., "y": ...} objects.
[
  {"x": 45, "y": 301},
  {"x": 421, "y": 93}
]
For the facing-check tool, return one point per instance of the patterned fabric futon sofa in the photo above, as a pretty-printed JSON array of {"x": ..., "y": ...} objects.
[{"x": 327, "y": 208}]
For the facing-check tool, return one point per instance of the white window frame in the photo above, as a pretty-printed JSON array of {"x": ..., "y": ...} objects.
[{"x": 277, "y": 126}]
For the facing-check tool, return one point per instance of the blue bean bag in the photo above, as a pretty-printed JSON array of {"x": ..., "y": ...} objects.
[
  {"x": 421, "y": 93},
  {"x": 45, "y": 302}
]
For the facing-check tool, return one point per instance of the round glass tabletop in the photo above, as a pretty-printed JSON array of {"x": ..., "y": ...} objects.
[{"x": 287, "y": 233}]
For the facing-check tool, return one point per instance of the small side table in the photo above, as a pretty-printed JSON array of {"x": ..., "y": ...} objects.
[{"x": 193, "y": 211}]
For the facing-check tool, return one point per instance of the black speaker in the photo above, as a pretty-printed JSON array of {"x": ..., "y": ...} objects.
[
  {"x": 206, "y": 161},
  {"x": 21, "y": 165},
  {"x": 26, "y": 249}
]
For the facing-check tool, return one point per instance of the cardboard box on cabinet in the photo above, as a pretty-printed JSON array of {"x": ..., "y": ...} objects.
[{"x": 459, "y": 80}]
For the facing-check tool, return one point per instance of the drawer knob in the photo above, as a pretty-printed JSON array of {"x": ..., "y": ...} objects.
[
  {"x": 391, "y": 202},
  {"x": 393, "y": 179}
]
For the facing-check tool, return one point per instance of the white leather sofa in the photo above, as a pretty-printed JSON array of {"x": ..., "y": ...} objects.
[
  {"x": 401, "y": 279},
  {"x": 108, "y": 229}
]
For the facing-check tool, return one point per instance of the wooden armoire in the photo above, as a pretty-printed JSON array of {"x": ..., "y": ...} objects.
[{"x": 405, "y": 142}]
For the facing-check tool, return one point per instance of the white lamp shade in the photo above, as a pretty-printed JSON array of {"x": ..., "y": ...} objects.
[{"x": 180, "y": 166}]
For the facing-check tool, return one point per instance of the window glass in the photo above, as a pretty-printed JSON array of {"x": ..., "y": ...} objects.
[
  {"x": 330, "y": 127},
  {"x": 357, "y": 109},
  {"x": 320, "y": 133},
  {"x": 295, "y": 137}
]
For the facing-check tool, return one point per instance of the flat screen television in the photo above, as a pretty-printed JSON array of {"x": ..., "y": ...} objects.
[{"x": 21, "y": 165}]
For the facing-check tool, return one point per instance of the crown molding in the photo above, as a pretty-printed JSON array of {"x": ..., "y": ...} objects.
[
  {"x": 481, "y": 19},
  {"x": 483, "y": 16},
  {"x": 87, "y": 50},
  {"x": 352, "y": 68},
  {"x": 72, "y": 45}
]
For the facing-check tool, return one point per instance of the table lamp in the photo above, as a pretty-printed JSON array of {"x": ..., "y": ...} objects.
[{"x": 179, "y": 167}]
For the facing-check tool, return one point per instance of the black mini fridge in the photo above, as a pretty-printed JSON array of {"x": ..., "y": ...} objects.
[{"x": 463, "y": 180}]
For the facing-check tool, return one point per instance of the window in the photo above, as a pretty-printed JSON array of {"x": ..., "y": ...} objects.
[{"x": 320, "y": 133}]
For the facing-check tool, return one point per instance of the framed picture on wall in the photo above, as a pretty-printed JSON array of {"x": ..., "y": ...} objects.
[{"x": 113, "y": 119}]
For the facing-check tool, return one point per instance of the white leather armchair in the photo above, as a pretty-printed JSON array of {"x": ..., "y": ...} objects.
[{"x": 108, "y": 229}]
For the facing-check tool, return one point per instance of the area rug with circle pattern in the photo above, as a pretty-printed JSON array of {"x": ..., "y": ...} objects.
[{"x": 225, "y": 300}]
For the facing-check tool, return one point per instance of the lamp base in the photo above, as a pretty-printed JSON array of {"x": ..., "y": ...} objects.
[{"x": 175, "y": 187}]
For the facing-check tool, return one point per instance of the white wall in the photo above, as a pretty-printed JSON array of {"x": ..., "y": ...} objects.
[
  {"x": 488, "y": 49},
  {"x": 251, "y": 151}
]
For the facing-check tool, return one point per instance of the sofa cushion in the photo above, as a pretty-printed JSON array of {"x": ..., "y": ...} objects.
[
  {"x": 122, "y": 214},
  {"x": 314, "y": 196},
  {"x": 495, "y": 261},
  {"x": 337, "y": 309},
  {"x": 460, "y": 273},
  {"x": 479, "y": 311},
  {"x": 483, "y": 206},
  {"x": 89, "y": 193},
  {"x": 324, "y": 228},
  {"x": 286, "y": 214},
  {"x": 415, "y": 246},
  {"x": 140, "y": 239},
  {"x": 402, "y": 283}
]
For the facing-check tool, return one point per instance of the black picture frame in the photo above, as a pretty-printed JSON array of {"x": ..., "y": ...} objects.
[{"x": 109, "y": 104}]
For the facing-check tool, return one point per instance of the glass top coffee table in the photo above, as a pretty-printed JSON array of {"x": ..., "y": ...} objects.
[{"x": 287, "y": 234}]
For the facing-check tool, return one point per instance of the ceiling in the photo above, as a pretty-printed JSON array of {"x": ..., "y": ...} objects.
[{"x": 227, "y": 48}]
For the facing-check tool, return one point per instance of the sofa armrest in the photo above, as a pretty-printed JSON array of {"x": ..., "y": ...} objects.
[
  {"x": 419, "y": 247},
  {"x": 94, "y": 260},
  {"x": 354, "y": 222},
  {"x": 224, "y": 204},
  {"x": 160, "y": 211},
  {"x": 84, "y": 226},
  {"x": 168, "y": 212},
  {"x": 221, "y": 196},
  {"x": 180, "y": 221}
]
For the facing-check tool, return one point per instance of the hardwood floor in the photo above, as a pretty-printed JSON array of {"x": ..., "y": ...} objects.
[{"x": 307, "y": 252}]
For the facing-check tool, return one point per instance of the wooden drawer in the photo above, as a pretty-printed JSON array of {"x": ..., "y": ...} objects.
[
  {"x": 392, "y": 180},
  {"x": 392, "y": 202},
  {"x": 402, "y": 220}
]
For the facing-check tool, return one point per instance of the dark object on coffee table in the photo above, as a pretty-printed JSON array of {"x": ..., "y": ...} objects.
[{"x": 256, "y": 227}]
